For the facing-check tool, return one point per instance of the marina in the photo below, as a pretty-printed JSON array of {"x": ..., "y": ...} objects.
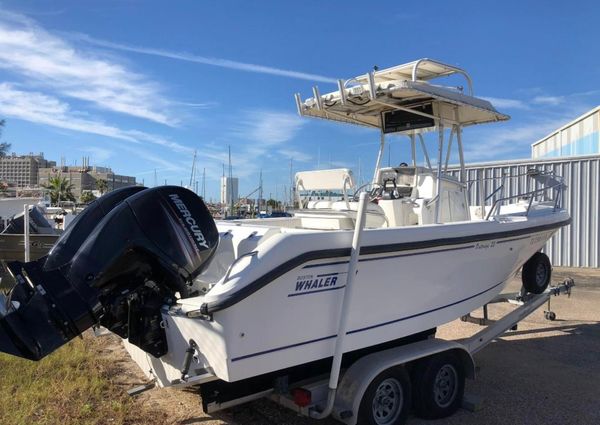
[
  {"x": 223, "y": 273},
  {"x": 233, "y": 214}
]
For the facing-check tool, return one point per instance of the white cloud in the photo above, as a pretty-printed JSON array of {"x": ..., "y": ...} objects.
[
  {"x": 295, "y": 155},
  {"x": 500, "y": 143},
  {"x": 40, "y": 108},
  {"x": 154, "y": 158},
  {"x": 51, "y": 62},
  {"x": 503, "y": 103},
  {"x": 548, "y": 100},
  {"x": 269, "y": 127},
  {"x": 43, "y": 109},
  {"x": 223, "y": 63},
  {"x": 505, "y": 140},
  {"x": 98, "y": 154}
]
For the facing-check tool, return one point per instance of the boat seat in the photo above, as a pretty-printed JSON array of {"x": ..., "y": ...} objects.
[
  {"x": 341, "y": 216},
  {"x": 425, "y": 187},
  {"x": 320, "y": 204}
]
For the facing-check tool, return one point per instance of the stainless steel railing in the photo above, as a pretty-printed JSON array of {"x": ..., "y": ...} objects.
[{"x": 552, "y": 188}]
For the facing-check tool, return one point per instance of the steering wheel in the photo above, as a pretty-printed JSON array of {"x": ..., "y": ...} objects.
[
  {"x": 403, "y": 164},
  {"x": 374, "y": 193}
]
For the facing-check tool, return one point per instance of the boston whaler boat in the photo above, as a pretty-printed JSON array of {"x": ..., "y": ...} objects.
[{"x": 239, "y": 307}]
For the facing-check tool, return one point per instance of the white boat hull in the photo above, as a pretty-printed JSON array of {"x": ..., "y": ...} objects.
[{"x": 407, "y": 284}]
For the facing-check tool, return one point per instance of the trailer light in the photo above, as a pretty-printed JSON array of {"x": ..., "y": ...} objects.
[{"x": 302, "y": 397}]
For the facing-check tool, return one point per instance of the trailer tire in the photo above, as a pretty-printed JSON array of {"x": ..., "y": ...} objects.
[
  {"x": 438, "y": 385},
  {"x": 536, "y": 274},
  {"x": 387, "y": 399}
]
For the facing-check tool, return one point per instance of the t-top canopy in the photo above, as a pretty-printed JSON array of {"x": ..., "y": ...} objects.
[{"x": 401, "y": 99}]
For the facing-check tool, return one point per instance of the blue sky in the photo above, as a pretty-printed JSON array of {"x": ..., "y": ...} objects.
[{"x": 139, "y": 85}]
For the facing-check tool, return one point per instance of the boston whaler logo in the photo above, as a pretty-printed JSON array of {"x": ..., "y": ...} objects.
[
  {"x": 308, "y": 284},
  {"x": 191, "y": 221}
]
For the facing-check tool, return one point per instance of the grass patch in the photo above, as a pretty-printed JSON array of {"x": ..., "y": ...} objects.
[{"x": 73, "y": 386}]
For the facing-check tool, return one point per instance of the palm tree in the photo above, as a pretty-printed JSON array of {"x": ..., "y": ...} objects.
[
  {"x": 60, "y": 189},
  {"x": 102, "y": 186},
  {"x": 4, "y": 147},
  {"x": 87, "y": 197}
]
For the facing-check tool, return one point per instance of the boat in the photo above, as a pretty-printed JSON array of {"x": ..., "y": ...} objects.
[
  {"x": 41, "y": 236},
  {"x": 228, "y": 303}
]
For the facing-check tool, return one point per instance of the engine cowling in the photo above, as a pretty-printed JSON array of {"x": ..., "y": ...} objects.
[{"x": 140, "y": 256}]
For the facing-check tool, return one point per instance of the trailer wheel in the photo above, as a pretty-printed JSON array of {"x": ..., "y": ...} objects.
[
  {"x": 438, "y": 385},
  {"x": 387, "y": 399},
  {"x": 536, "y": 273}
]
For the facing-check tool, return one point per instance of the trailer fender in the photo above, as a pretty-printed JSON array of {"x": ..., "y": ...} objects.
[{"x": 357, "y": 378}]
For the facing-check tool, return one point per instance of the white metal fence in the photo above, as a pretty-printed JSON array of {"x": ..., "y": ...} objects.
[{"x": 576, "y": 245}]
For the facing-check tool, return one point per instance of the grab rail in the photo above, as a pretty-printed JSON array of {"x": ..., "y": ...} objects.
[
  {"x": 453, "y": 68},
  {"x": 542, "y": 177}
]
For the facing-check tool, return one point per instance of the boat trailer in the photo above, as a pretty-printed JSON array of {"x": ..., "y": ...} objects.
[{"x": 310, "y": 395}]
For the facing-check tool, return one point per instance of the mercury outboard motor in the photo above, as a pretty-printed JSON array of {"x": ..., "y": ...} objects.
[
  {"x": 82, "y": 225},
  {"x": 143, "y": 254}
]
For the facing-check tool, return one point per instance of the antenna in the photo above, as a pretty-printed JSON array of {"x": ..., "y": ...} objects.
[
  {"x": 155, "y": 182},
  {"x": 359, "y": 173}
]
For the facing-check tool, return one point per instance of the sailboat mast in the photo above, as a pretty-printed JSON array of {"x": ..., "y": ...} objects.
[
  {"x": 230, "y": 182},
  {"x": 193, "y": 170},
  {"x": 260, "y": 190},
  {"x": 291, "y": 193},
  {"x": 204, "y": 183}
]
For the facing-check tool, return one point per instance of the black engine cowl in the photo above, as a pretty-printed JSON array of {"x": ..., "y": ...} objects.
[{"x": 144, "y": 252}]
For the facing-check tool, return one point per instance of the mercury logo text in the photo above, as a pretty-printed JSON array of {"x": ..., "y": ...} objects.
[{"x": 191, "y": 221}]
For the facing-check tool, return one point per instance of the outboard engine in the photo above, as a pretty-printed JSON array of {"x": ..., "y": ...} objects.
[
  {"x": 82, "y": 225},
  {"x": 143, "y": 254}
]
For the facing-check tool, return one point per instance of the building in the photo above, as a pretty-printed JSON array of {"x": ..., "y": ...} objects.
[
  {"x": 229, "y": 190},
  {"x": 579, "y": 137},
  {"x": 22, "y": 171},
  {"x": 85, "y": 178}
]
